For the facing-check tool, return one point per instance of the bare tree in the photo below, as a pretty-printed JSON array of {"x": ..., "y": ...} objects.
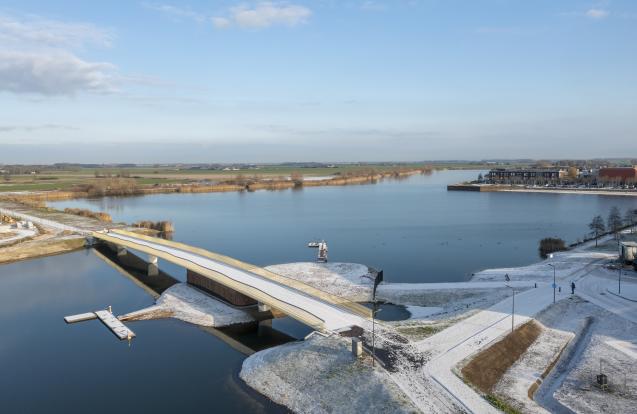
[
  {"x": 614, "y": 221},
  {"x": 597, "y": 227},
  {"x": 630, "y": 217}
]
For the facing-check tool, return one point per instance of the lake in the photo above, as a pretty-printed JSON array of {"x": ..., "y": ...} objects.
[{"x": 413, "y": 229}]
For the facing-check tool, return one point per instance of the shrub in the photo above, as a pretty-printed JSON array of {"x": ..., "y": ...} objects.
[
  {"x": 162, "y": 226},
  {"x": 88, "y": 213},
  {"x": 550, "y": 245}
]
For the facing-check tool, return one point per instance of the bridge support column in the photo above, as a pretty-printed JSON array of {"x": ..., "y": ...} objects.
[
  {"x": 153, "y": 268},
  {"x": 357, "y": 347},
  {"x": 262, "y": 307},
  {"x": 264, "y": 327},
  {"x": 121, "y": 251}
]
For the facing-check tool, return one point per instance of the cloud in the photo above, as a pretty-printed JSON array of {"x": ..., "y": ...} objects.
[
  {"x": 220, "y": 22},
  {"x": 53, "y": 73},
  {"x": 264, "y": 14},
  {"x": 37, "y": 57},
  {"x": 34, "y": 30},
  {"x": 176, "y": 12},
  {"x": 29, "y": 128},
  {"x": 597, "y": 13},
  {"x": 260, "y": 15}
]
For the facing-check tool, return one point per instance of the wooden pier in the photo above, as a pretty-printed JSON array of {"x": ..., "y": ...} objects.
[{"x": 108, "y": 319}]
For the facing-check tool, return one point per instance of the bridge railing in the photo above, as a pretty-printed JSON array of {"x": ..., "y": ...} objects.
[{"x": 343, "y": 303}]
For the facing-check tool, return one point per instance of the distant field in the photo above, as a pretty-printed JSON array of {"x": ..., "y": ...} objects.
[{"x": 148, "y": 176}]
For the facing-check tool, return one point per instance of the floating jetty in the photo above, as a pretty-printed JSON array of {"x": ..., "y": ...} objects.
[{"x": 108, "y": 319}]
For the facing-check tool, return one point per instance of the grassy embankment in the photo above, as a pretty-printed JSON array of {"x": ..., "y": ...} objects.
[
  {"x": 81, "y": 183},
  {"x": 485, "y": 370}
]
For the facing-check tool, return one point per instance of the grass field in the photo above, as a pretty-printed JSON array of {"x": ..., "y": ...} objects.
[{"x": 65, "y": 179}]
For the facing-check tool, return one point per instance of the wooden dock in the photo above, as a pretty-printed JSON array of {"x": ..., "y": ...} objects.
[
  {"x": 80, "y": 318},
  {"x": 108, "y": 319},
  {"x": 119, "y": 329}
]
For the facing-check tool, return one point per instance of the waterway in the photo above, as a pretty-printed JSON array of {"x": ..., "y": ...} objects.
[{"x": 413, "y": 229}]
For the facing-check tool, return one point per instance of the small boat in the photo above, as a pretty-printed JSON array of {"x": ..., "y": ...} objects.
[{"x": 314, "y": 244}]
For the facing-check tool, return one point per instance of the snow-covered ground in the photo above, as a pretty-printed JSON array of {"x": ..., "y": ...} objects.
[
  {"x": 15, "y": 234},
  {"x": 351, "y": 281},
  {"x": 182, "y": 301},
  {"x": 320, "y": 375}
]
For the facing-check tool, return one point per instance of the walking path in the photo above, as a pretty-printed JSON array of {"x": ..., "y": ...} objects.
[{"x": 468, "y": 336}]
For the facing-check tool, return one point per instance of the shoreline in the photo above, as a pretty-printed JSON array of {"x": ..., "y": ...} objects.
[
  {"x": 34, "y": 197},
  {"x": 494, "y": 188}
]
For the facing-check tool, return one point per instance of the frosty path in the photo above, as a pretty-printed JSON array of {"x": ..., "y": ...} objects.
[
  {"x": 468, "y": 336},
  {"x": 601, "y": 289}
]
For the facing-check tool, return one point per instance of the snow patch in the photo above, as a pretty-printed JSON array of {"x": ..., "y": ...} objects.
[
  {"x": 422, "y": 312},
  {"x": 184, "y": 302}
]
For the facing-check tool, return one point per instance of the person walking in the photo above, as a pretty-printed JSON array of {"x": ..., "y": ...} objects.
[
  {"x": 572, "y": 288},
  {"x": 507, "y": 278}
]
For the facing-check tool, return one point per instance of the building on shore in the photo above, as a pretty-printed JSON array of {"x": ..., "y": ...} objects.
[
  {"x": 619, "y": 175},
  {"x": 526, "y": 175}
]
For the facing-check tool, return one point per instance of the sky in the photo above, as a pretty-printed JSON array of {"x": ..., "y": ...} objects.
[{"x": 324, "y": 80}]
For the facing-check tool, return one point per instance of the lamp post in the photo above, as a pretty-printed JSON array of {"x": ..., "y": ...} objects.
[
  {"x": 512, "y": 308},
  {"x": 374, "y": 312},
  {"x": 374, "y": 331},
  {"x": 554, "y": 283},
  {"x": 619, "y": 280}
]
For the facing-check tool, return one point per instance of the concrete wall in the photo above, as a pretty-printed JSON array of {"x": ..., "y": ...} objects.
[{"x": 217, "y": 289}]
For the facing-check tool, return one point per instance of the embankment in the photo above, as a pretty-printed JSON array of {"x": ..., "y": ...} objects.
[
  {"x": 486, "y": 188},
  {"x": 95, "y": 190},
  {"x": 40, "y": 248}
]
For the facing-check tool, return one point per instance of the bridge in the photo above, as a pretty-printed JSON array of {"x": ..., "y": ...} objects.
[{"x": 244, "y": 284}]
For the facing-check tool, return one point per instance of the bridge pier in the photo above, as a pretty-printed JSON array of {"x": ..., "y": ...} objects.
[
  {"x": 153, "y": 268},
  {"x": 264, "y": 327}
]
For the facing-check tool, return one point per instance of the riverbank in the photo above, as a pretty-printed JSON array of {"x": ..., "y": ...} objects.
[
  {"x": 58, "y": 232},
  {"x": 490, "y": 188},
  {"x": 109, "y": 186}
]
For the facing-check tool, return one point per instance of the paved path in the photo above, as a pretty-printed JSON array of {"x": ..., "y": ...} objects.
[
  {"x": 599, "y": 290},
  {"x": 44, "y": 222},
  {"x": 470, "y": 335}
]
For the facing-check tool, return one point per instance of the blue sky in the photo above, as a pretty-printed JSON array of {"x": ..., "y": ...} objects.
[{"x": 260, "y": 81}]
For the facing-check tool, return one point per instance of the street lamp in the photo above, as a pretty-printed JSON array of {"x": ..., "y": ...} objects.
[
  {"x": 619, "y": 289},
  {"x": 512, "y": 308},
  {"x": 374, "y": 312},
  {"x": 554, "y": 284}
]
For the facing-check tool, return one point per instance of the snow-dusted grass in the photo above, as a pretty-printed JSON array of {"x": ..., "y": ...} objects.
[
  {"x": 422, "y": 312},
  {"x": 612, "y": 340},
  {"x": 320, "y": 375},
  {"x": 351, "y": 281}
]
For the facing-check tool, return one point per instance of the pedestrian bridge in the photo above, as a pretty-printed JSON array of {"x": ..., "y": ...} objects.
[{"x": 320, "y": 310}]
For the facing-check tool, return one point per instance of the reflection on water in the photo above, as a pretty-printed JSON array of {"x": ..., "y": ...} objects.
[
  {"x": 412, "y": 228},
  {"x": 49, "y": 366}
]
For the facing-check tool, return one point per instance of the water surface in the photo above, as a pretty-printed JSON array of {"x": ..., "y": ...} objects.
[{"x": 414, "y": 228}]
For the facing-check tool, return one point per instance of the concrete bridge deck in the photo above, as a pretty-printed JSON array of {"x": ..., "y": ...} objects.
[{"x": 318, "y": 309}]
